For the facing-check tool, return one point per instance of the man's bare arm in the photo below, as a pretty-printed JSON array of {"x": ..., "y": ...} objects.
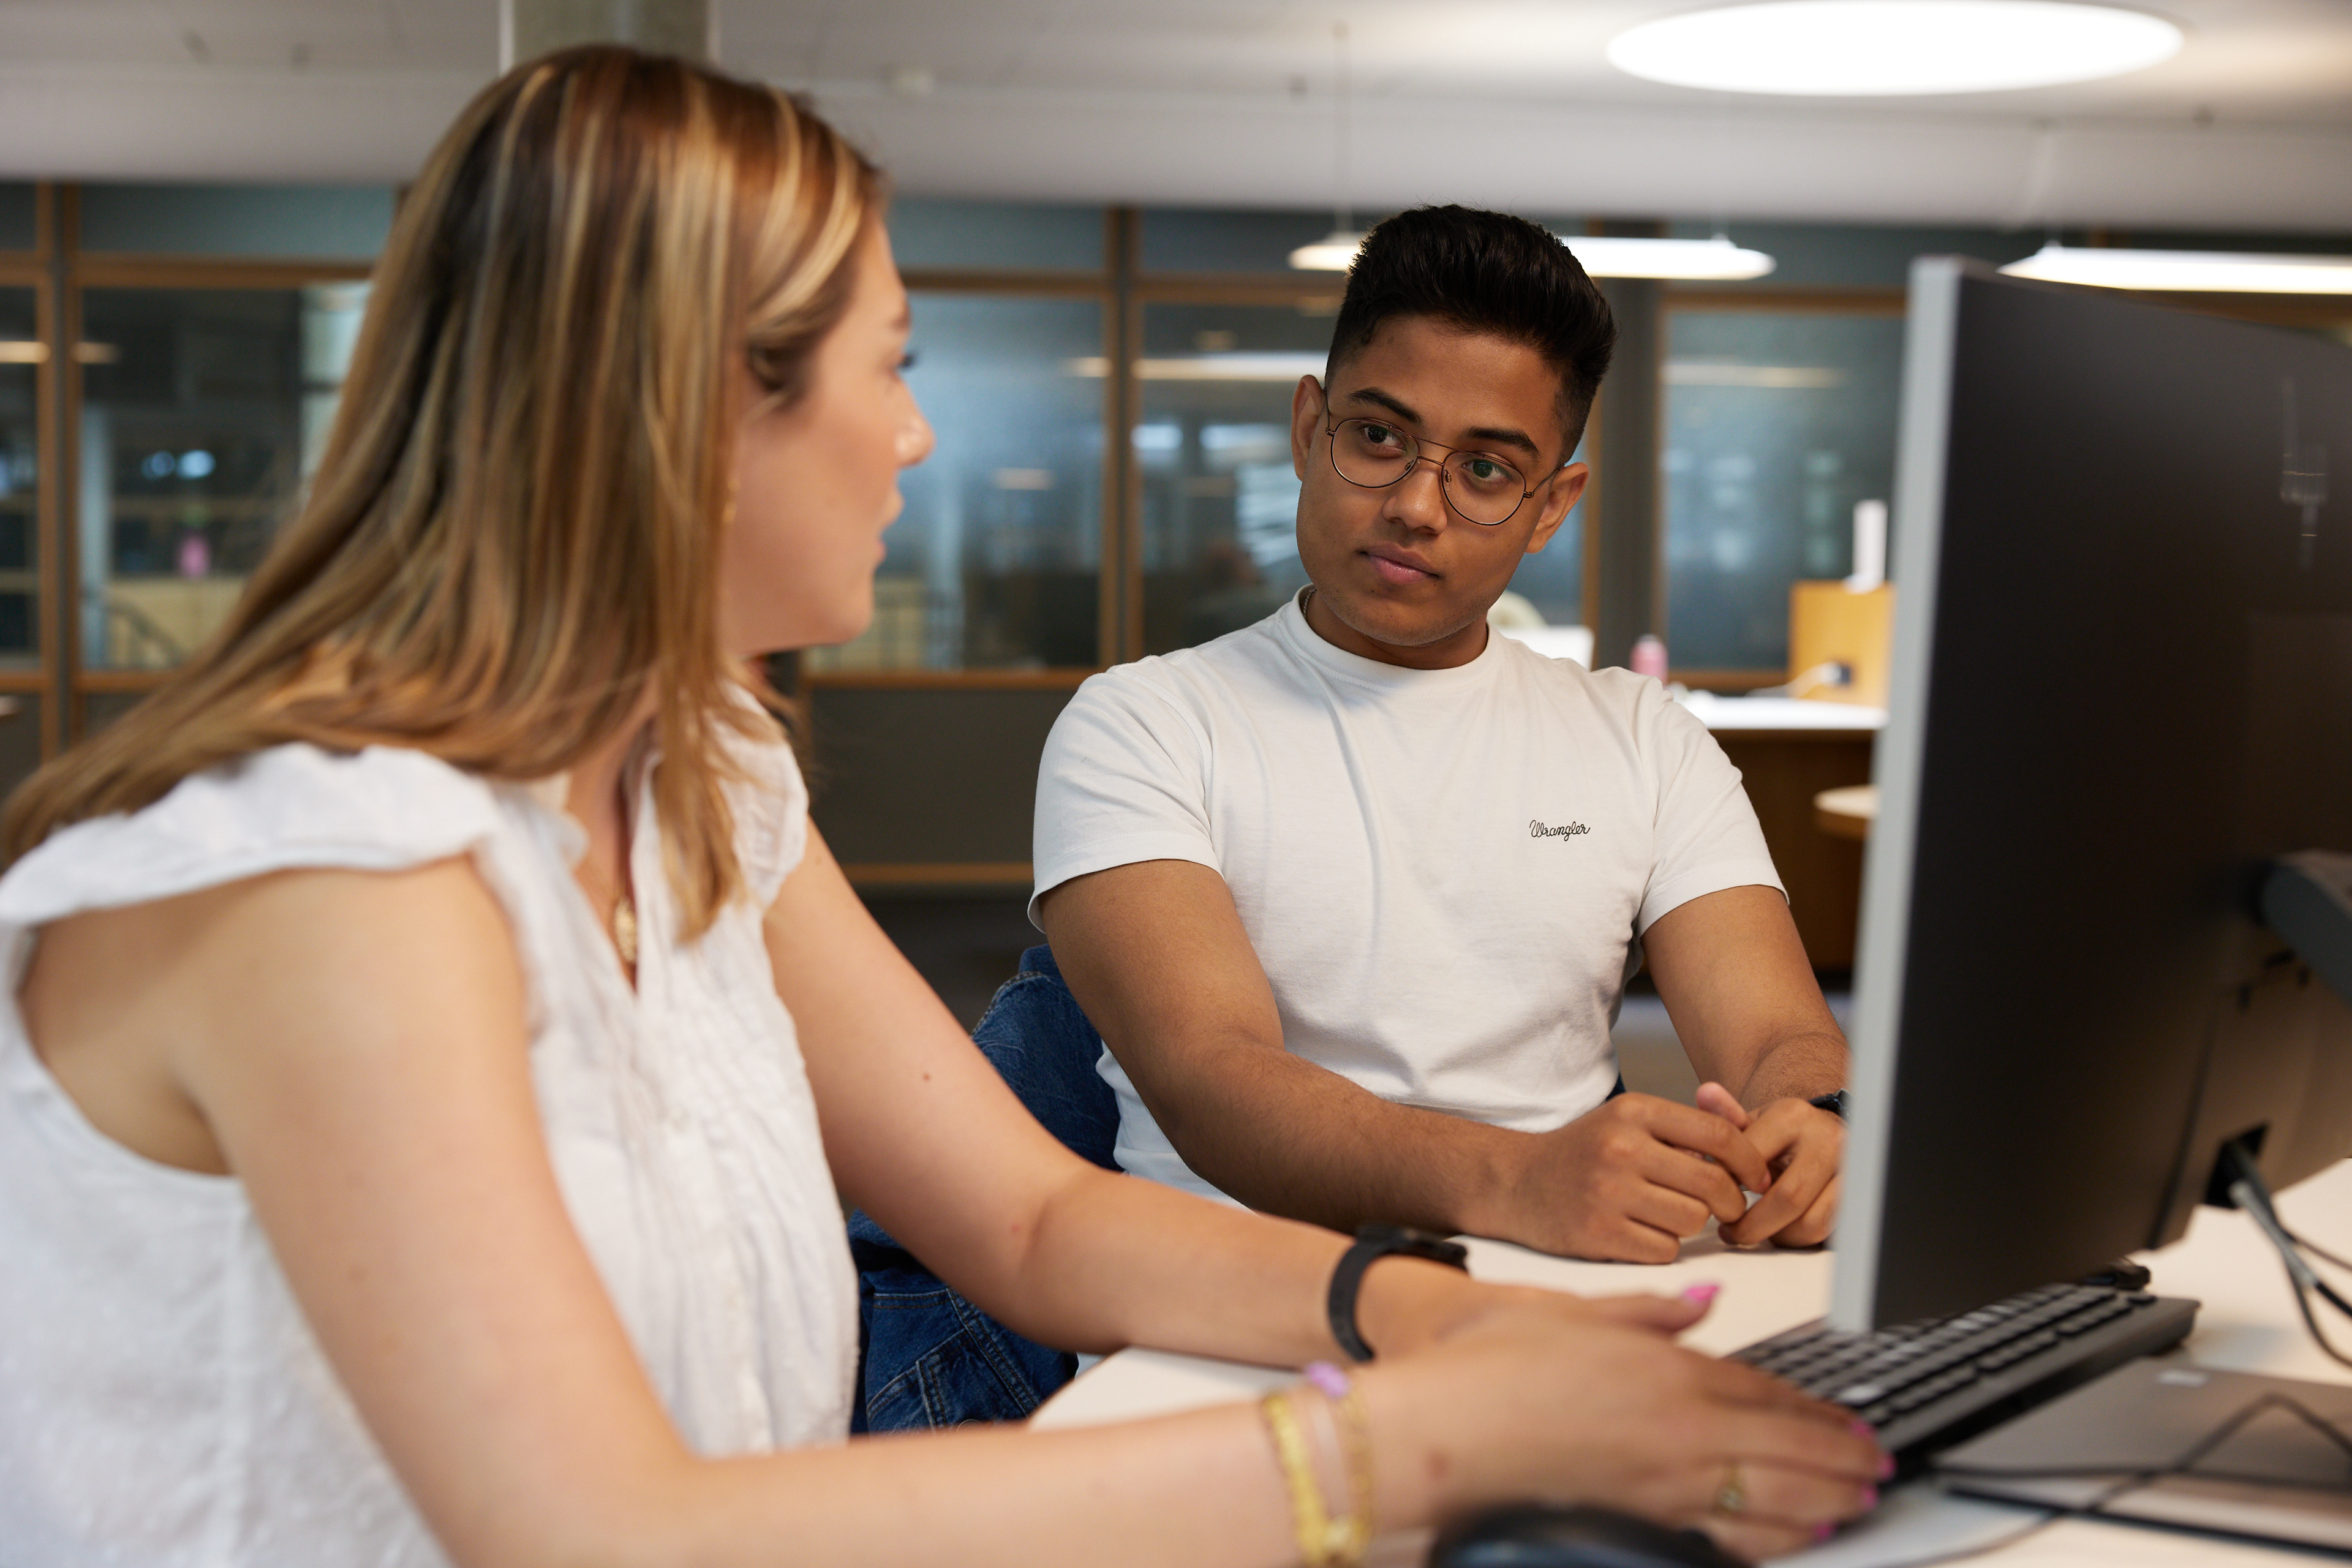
[
  {"x": 1735, "y": 979},
  {"x": 1156, "y": 954}
]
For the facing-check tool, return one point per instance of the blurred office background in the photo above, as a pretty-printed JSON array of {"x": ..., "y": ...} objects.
[{"x": 1097, "y": 206}]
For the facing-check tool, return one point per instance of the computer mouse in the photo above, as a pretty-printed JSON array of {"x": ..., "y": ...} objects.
[{"x": 1527, "y": 1535}]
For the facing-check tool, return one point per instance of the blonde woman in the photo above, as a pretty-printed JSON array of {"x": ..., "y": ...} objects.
[{"x": 441, "y": 1039}]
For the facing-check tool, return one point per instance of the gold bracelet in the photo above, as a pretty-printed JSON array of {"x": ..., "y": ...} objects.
[
  {"x": 1354, "y": 1432},
  {"x": 1323, "y": 1542},
  {"x": 1356, "y": 1442}
]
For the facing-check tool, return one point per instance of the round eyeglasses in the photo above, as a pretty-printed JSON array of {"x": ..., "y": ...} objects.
[{"x": 1480, "y": 488}]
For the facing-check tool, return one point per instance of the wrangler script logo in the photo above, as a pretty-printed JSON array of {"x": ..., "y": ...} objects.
[{"x": 1537, "y": 830}]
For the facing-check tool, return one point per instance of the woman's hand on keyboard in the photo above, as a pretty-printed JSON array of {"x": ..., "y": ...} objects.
[{"x": 1573, "y": 1401}]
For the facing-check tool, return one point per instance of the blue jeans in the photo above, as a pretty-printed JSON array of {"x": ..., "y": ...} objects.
[{"x": 929, "y": 1357}]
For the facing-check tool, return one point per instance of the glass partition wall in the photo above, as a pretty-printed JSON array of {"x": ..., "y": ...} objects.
[
  {"x": 1212, "y": 444},
  {"x": 1111, "y": 391},
  {"x": 996, "y": 562},
  {"x": 1776, "y": 422},
  {"x": 162, "y": 402},
  {"x": 202, "y": 414}
]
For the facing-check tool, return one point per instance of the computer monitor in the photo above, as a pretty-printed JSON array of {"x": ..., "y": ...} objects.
[{"x": 2122, "y": 682}]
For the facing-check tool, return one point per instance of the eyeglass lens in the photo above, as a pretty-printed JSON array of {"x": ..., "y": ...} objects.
[{"x": 1481, "y": 486}]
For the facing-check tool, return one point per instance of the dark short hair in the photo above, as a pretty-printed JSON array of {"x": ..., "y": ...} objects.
[{"x": 1482, "y": 272}]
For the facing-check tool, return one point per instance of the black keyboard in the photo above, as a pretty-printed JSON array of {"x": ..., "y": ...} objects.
[{"x": 1925, "y": 1386}]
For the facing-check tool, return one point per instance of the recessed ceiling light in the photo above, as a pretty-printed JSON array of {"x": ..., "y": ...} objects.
[
  {"x": 2188, "y": 271},
  {"x": 1864, "y": 48},
  {"x": 1630, "y": 256}
]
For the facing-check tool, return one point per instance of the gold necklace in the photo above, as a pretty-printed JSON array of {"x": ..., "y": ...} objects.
[
  {"x": 623, "y": 923},
  {"x": 624, "y": 929}
]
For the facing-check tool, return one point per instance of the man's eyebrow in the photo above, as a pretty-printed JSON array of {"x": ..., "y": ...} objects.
[
  {"x": 1506, "y": 437},
  {"x": 1495, "y": 435},
  {"x": 1379, "y": 399}
]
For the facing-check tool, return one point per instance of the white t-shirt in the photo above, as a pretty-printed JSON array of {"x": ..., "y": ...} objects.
[{"x": 1444, "y": 872}]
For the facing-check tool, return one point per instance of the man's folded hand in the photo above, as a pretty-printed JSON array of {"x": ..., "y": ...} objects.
[
  {"x": 1627, "y": 1181},
  {"x": 1801, "y": 1144}
]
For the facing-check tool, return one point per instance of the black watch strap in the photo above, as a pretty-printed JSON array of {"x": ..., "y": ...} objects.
[
  {"x": 1374, "y": 1242},
  {"x": 1834, "y": 1102}
]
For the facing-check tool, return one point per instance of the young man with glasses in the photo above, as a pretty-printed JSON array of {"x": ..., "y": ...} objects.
[{"x": 1352, "y": 894}]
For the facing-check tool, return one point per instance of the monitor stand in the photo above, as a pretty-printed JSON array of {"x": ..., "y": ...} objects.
[{"x": 2164, "y": 1442}]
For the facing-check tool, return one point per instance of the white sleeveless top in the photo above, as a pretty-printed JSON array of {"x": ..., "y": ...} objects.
[{"x": 162, "y": 1402}]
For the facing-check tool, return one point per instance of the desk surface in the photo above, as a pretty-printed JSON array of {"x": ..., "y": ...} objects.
[{"x": 2248, "y": 1324}]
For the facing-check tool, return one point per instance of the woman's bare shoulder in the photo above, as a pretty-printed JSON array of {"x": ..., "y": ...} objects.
[{"x": 122, "y": 1002}]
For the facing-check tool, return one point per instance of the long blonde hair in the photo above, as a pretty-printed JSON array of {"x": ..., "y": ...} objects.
[{"x": 515, "y": 527}]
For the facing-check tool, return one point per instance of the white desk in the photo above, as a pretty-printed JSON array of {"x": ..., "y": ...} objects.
[
  {"x": 2248, "y": 1324},
  {"x": 1763, "y": 713}
]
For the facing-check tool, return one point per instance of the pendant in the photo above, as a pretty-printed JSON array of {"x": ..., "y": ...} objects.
[{"x": 625, "y": 930}]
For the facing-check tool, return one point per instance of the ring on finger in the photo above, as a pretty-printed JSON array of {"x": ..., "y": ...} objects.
[{"x": 1731, "y": 1497}]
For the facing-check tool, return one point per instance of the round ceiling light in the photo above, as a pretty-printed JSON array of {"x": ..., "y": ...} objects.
[{"x": 1869, "y": 48}]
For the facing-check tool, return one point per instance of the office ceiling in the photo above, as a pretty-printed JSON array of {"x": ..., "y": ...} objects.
[{"x": 1232, "y": 102}]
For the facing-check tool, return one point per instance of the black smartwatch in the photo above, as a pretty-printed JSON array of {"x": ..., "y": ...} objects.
[
  {"x": 1834, "y": 1102},
  {"x": 1374, "y": 1242}
]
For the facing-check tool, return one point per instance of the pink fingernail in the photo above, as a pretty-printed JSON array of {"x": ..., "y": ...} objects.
[
  {"x": 1864, "y": 1430},
  {"x": 1885, "y": 1467},
  {"x": 1824, "y": 1530},
  {"x": 1700, "y": 1295},
  {"x": 1869, "y": 1499}
]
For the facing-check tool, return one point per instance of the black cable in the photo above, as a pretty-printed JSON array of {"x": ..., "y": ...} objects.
[
  {"x": 2316, "y": 1250},
  {"x": 2136, "y": 1480},
  {"x": 2250, "y": 1192},
  {"x": 2204, "y": 1446},
  {"x": 2328, "y": 1291},
  {"x": 2301, "y": 1412},
  {"x": 2303, "y": 1305},
  {"x": 2333, "y": 1298},
  {"x": 2305, "y": 1244}
]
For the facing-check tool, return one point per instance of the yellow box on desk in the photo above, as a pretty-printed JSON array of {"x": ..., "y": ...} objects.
[{"x": 1829, "y": 623}]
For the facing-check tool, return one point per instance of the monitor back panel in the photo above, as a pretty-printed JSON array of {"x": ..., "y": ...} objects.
[{"x": 2132, "y": 681}]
